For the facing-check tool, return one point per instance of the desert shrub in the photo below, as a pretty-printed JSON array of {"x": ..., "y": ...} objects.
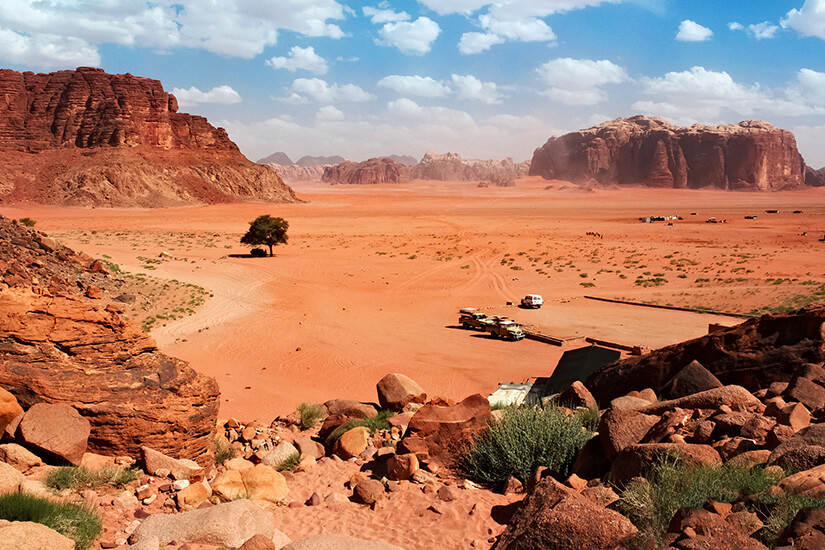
[
  {"x": 782, "y": 513},
  {"x": 28, "y": 222},
  {"x": 379, "y": 422},
  {"x": 290, "y": 463},
  {"x": 223, "y": 452},
  {"x": 523, "y": 439},
  {"x": 310, "y": 415},
  {"x": 589, "y": 417},
  {"x": 672, "y": 484},
  {"x": 78, "y": 477},
  {"x": 76, "y": 522}
]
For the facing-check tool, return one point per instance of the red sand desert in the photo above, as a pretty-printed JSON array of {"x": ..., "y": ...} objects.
[{"x": 373, "y": 277}]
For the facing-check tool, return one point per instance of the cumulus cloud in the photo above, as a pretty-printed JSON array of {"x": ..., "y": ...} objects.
[
  {"x": 471, "y": 88},
  {"x": 809, "y": 20},
  {"x": 330, "y": 112},
  {"x": 691, "y": 31},
  {"x": 220, "y": 95},
  {"x": 442, "y": 116},
  {"x": 235, "y": 28},
  {"x": 530, "y": 29},
  {"x": 734, "y": 26},
  {"x": 304, "y": 90},
  {"x": 580, "y": 81},
  {"x": 519, "y": 8},
  {"x": 410, "y": 37},
  {"x": 415, "y": 85},
  {"x": 760, "y": 31},
  {"x": 380, "y": 16},
  {"x": 809, "y": 139},
  {"x": 477, "y": 42},
  {"x": 809, "y": 88},
  {"x": 300, "y": 59}
]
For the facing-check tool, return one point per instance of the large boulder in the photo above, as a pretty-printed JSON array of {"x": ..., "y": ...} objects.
[
  {"x": 730, "y": 396},
  {"x": 353, "y": 442},
  {"x": 9, "y": 409},
  {"x": 396, "y": 391},
  {"x": 229, "y": 524},
  {"x": 55, "y": 430},
  {"x": 636, "y": 460},
  {"x": 808, "y": 442},
  {"x": 694, "y": 378},
  {"x": 435, "y": 432},
  {"x": 806, "y": 531},
  {"x": 10, "y": 479},
  {"x": 19, "y": 457},
  {"x": 809, "y": 483},
  {"x": 259, "y": 482},
  {"x": 619, "y": 429},
  {"x": 179, "y": 468},
  {"x": 27, "y": 535},
  {"x": 555, "y": 517},
  {"x": 754, "y": 354}
]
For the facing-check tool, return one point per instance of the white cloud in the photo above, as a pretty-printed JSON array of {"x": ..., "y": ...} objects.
[
  {"x": 691, "y": 31},
  {"x": 330, "y": 112},
  {"x": 477, "y": 42},
  {"x": 518, "y": 8},
  {"x": 221, "y": 95},
  {"x": 529, "y": 29},
  {"x": 470, "y": 87},
  {"x": 421, "y": 86},
  {"x": 320, "y": 91},
  {"x": 300, "y": 59},
  {"x": 809, "y": 88},
  {"x": 734, "y": 26},
  {"x": 46, "y": 51},
  {"x": 763, "y": 30},
  {"x": 579, "y": 81},
  {"x": 809, "y": 20},
  {"x": 442, "y": 116},
  {"x": 411, "y": 37},
  {"x": 809, "y": 140},
  {"x": 379, "y": 16},
  {"x": 235, "y": 28}
]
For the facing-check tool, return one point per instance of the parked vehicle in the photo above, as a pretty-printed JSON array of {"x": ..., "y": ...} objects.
[
  {"x": 505, "y": 329},
  {"x": 471, "y": 318},
  {"x": 532, "y": 301}
]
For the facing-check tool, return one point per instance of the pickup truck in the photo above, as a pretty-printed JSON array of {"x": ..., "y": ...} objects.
[
  {"x": 470, "y": 317},
  {"x": 505, "y": 329}
]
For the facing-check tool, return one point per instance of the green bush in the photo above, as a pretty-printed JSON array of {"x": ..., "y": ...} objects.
[
  {"x": 28, "y": 222},
  {"x": 291, "y": 462},
  {"x": 378, "y": 422},
  {"x": 310, "y": 415},
  {"x": 223, "y": 452},
  {"x": 76, "y": 522},
  {"x": 78, "y": 477},
  {"x": 784, "y": 510},
  {"x": 525, "y": 438},
  {"x": 672, "y": 484}
]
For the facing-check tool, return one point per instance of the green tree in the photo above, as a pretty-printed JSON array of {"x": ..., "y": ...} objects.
[{"x": 266, "y": 230}]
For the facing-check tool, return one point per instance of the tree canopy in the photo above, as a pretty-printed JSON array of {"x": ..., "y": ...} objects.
[{"x": 266, "y": 230}]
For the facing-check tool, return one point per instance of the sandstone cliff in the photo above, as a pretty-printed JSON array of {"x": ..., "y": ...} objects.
[
  {"x": 815, "y": 178},
  {"x": 58, "y": 347},
  {"x": 375, "y": 170},
  {"x": 88, "y": 138},
  {"x": 451, "y": 167},
  {"x": 292, "y": 173},
  {"x": 751, "y": 155}
]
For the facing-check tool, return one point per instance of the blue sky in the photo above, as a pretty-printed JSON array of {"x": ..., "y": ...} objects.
[{"x": 482, "y": 78}]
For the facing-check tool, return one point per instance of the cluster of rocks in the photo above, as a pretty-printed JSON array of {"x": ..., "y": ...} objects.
[{"x": 751, "y": 155}]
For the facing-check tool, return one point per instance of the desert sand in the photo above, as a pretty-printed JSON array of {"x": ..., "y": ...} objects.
[{"x": 373, "y": 277}]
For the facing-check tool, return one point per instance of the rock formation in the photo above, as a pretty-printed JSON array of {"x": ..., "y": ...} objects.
[
  {"x": 451, "y": 167},
  {"x": 307, "y": 161},
  {"x": 293, "y": 173},
  {"x": 370, "y": 171},
  {"x": 57, "y": 347},
  {"x": 751, "y": 155},
  {"x": 276, "y": 158},
  {"x": 87, "y": 138},
  {"x": 814, "y": 178}
]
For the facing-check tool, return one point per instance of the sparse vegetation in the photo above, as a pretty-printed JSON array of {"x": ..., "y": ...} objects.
[
  {"x": 223, "y": 451},
  {"x": 28, "y": 222},
  {"x": 76, "y": 522},
  {"x": 310, "y": 414},
  {"x": 79, "y": 477},
  {"x": 525, "y": 438},
  {"x": 266, "y": 230},
  {"x": 378, "y": 422},
  {"x": 290, "y": 463}
]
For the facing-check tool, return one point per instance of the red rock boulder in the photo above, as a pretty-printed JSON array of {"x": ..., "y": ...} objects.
[
  {"x": 9, "y": 409},
  {"x": 55, "y": 431},
  {"x": 396, "y": 391}
]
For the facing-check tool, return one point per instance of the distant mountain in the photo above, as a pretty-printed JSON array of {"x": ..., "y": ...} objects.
[
  {"x": 402, "y": 159},
  {"x": 307, "y": 160},
  {"x": 276, "y": 158}
]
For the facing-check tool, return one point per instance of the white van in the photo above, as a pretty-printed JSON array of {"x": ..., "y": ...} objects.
[{"x": 532, "y": 301}]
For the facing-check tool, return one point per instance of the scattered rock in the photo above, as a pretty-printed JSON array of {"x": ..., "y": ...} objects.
[
  {"x": 806, "y": 531},
  {"x": 402, "y": 467},
  {"x": 280, "y": 454},
  {"x": 577, "y": 396},
  {"x": 694, "y": 378},
  {"x": 19, "y": 457},
  {"x": 634, "y": 460},
  {"x": 368, "y": 491},
  {"x": 353, "y": 442},
  {"x": 180, "y": 468},
  {"x": 396, "y": 391}
]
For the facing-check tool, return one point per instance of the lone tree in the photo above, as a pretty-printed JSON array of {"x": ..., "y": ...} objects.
[{"x": 266, "y": 230}]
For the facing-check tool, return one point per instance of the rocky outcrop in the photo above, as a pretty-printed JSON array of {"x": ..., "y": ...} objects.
[
  {"x": 754, "y": 354},
  {"x": 814, "y": 178},
  {"x": 276, "y": 158},
  {"x": 370, "y": 171},
  {"x": 751, "y": 155},
  {"x": 299, "y": 174},
  {"x": 307, "y": 161},
  {"x": 58, "y": 347},
  {"x": 451, "y": 167},
  {"x": 87, "y": 138}
]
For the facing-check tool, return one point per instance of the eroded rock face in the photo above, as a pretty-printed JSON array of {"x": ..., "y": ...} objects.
[
  {"x": 451, "y": 167},
  {"x": 56, "y": 346},
  {"x": 751, "y": 155},
  {"x": 87, "y": 138},
  {"x": 375, "y": 170},
  {"x": 754, "y": 354},
  {"x": 815, "y": 178},
  {"x": 291, "y": 173}
]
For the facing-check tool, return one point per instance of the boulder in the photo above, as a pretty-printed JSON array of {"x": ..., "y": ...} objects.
[
  {"x": 228, "y": 486},
  {"x": 260, "y": 542},
  {"x": 260, "y": 482},
  {"x": 338, "y": 542},
  {"x": 19, "y": 457},
  {"x": 229, "y": 524},
  {"x": 811, "y": 440},
  {"x": 353, "y": 442},
  {"x": 396, "y": 391},
  {"x": 555, "y": 517},
  {"x": 731, "y": 396},
  {"x": 368, "y": 491},
  {"x": 710, "y": 531},
  {"x": 9, "y": 409},
  {"x": 809, "y": 483},
  {"x": 806, "y": 531},
  {"x": 179, "y": 468},
  {"x": 577, "y": 396},
  {"x": 277, "y": 456},
  {"x": 619, "y": 429},
  {"x": 694, "y": 378},
  {"x": 635, "y": 460},
  {"x": 402, "y": 467},
  {"x": 628, "y": 403},
  {"x": 27, "y": 535},
  {"x": 10, "y": 479},
  {"x": 55, "y": 430},
  {"x": 795, "y": 415},
  {"x": 350, "y": 408},
  {"x": 193, "y": 495},
  {"x": 805, "y": 391}
]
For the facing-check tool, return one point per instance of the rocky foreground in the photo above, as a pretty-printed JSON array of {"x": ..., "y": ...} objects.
[
  {"x": 88, "y": 138},
  {"x": 752, "y": 155}
]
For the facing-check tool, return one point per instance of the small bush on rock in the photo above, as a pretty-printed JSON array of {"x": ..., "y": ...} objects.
[
  {"x": 290, "y": 463},
  {"x": 78, "y": 477},
  {"x": 223, "y": 452},
  {"x": 310, "y": 415},
  {"x": 70, "y": 520},
  {"x": 524, "y": 439},
  {"x": 784, "y": 510},
  {"x": 379, "y": 422}
]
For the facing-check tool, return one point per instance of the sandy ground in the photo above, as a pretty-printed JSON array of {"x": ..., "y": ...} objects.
[{"x": 373, "y": 277}]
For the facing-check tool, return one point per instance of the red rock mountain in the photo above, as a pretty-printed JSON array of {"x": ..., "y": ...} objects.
[
  {"x": 57, "y": 346},
  {"x": 88, "y": 138},
  {"x": 751, "y": 155},
  {"x": 375, "y": 170}
]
